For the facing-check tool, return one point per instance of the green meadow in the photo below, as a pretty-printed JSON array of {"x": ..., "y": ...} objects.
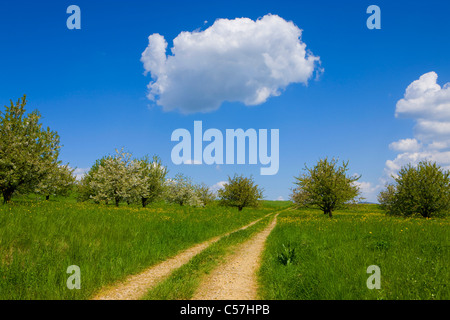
[
  {"x": 40, "y": 239},
  {"x": 310, "y": 256},
  {"x": 307, "y": 255}
]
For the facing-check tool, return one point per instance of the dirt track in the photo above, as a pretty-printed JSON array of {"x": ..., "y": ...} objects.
[
  {"x": 136, "y": 286},
  {"x": 236, "y": 279}
]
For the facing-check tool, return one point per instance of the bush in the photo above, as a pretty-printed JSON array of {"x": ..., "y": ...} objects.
[{"x": 423, "y": 190}]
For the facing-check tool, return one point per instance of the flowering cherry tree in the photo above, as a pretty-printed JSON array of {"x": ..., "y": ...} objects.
[
  {"x": 115, "y": 179},
  {"x": 182, "y": 191},
  {"x": 151, "y": 179},
  {"x": 28, "y": 152},
  {"x": 58, "y": 181}
]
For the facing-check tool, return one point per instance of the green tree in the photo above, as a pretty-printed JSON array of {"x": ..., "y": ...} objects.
[
  {"x": 59, "y": 181},
  {"x": 423, "y": 189},
  {"x": 386, "y": 197},
  {"x": 205, "y": 194},
  {"x": 240, "y": 192},
  {"x": 327, "y": 186},
  {"x": 28, "y": 152},
  {"x": 152, "y": 176}
]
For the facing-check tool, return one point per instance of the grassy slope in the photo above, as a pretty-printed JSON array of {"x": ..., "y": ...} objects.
[
  {"x": 39, "y": 240},
  {"x": 332, "y": 255}
]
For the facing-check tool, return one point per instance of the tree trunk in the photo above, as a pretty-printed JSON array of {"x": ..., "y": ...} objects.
[
  {"x": 240, "y": 208},
  {"x": 144, "y": 202},
  {"x": 47, "y": 197},
  {"x": 328, "y": 211},
  {"x": 117, "y": 202},
  {"x": 7, "y": 194}
]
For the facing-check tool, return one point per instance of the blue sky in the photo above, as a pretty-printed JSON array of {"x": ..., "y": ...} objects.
[{"x": 90, "y": 86}]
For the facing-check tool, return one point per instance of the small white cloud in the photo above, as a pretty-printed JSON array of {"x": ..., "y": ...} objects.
[
  {"x": 79, "y": 173},
  {"x": 218, "y": 185},
  {"x": 280, "y": 198},
  {"x": 368, "y": 190},
  {"x": 404, "y": 145},
  {"x": 238, "y": 60}
]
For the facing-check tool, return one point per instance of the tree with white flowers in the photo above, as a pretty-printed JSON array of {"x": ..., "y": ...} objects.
[
  {"x": 116, "y": 179},
  {"x": 85, "y": 191},
  {"x": 182, "y": 191},
  {"x": 205, "y": 194},
  {"x": 151, "y": 179},
  {"x": 59, "y": 181},
  {"x": 28, "y": 152}
]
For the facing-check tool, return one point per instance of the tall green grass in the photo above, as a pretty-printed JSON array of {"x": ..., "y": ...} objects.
[
  {"x": 40, "y": 239},
  {"x": 328, "y": 258}
]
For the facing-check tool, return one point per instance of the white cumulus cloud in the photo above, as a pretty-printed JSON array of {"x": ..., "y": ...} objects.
[
  {"x": 237, "y": 60},
  {"x": 368, "y": 190},
  {"x": 426, "y": 102},
  {"x": 218, "y": 185},
  {"x": 405, "y": 145}
]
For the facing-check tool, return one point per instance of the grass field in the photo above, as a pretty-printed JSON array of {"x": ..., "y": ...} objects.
[
  {"x": 39, "y": 240},
  {"x": 309, "y": 256}
]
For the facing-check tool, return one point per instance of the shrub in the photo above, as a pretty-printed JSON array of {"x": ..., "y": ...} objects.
[{"x": 423, "y": 189}]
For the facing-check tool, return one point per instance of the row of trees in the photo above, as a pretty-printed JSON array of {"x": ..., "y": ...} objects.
[
  {"x": 117, "y": 178},
  {"x": 417, "y": 190},
  {"x": 29, "y": 163}
]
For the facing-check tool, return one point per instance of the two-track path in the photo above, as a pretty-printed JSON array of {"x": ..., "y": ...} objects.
[
  {"x": 236, "y": 279},
  {"x": 136, "y": 286}
]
